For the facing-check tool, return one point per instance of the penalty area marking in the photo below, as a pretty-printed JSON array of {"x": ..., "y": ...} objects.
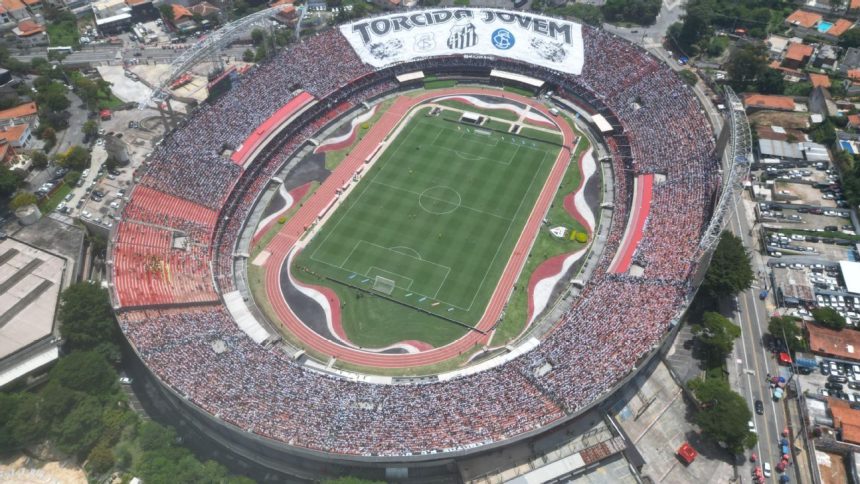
[{"x": 407, "y": 251}]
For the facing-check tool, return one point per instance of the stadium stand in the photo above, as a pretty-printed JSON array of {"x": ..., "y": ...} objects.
[{"x": 201, "y": 353}]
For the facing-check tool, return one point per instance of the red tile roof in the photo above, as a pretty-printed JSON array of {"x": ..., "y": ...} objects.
[
  {"x": 13, "y": 133},
  {"x": 783, "y": 103},
  {"x": 803, "y": 18},
  {"x": 798, "y": 52},
  {"x": 180, "y": 12},
  {"x": 840, "y": 27},
  {"x": 28, "y": 28},
  {"x": 26, "y": 109},
  {"x": 820, "y": 79}
]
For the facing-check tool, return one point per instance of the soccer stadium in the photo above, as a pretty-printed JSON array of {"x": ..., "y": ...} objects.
[{"x": 415, "y": 238}]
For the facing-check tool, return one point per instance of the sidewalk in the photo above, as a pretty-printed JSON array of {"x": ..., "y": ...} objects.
[{"x": 798, "y": 443}]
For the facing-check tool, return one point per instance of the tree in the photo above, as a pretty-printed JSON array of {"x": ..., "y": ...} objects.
[
  {"x": 166, "y": 12},
  {"x": 22, "y": 199},
  {"x": 77, "y": 158},
  {"x": 90, "y": 128},
  {"x": 261, "y": 53},
  {"x": 829, "y": 318},
  {"x": 88, "y": 91},
  {"x": 696, "y": 27},
  {"x": 57, "y": 401},
  {"x": 9, "y": 181},
  {"x": 724, "y": 414},
  {"x": 643, "y": 12},
  {"x": 72, "y": 177},
  {"x": 786, "y": 327},
  {"x": 718, "y": 334},
  {"x": 248, "y": 55},
  {"x": 730, "y": 271},
  {"x": 257, "y": 36},
  {"x": 851, "y": 38},
  {"x": 20, "y": 424},
  {"x": 154, "y": 436},
  {"x": 49, "y": 135},
  {"x": 80, "y": 430},
  {"x": 85, "y": 371},
  {"x": 688, "y": 76},
  {"x": 747, "y": 66},
  {"x": 100, "y": 459},
  {"x": 86, "y": 317},
  {"x": 39, "y": 159}
]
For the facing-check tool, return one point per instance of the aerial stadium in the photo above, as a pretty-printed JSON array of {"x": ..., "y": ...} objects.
[{"x": 415, "y": 238}]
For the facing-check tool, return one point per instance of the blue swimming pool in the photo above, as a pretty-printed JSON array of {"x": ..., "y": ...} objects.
[
  {"x": 847, "y": 146},
  {"x": 824, "y": 26}
]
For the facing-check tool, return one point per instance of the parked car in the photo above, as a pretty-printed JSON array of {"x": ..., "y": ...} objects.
[{"x": 759, "y": 407}]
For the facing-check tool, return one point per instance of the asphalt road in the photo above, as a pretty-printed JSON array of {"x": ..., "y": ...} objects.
[{"x": 753, "y": 361}]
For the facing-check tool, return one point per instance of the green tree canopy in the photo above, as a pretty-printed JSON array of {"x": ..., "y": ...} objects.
[
  {"x": 642, "y": 12},
  {"x": 749, "y": 71},
  {"x": 724, "y": 414},
  {"x": 80, "y": 430},
  {"x": 787, "y": 325},
  {"x": 851, "y": 38},
  {"x": 86, "y": 317},
  {"x": 829, "y": 318},
  {"x": 40, "y": 160},
  {"x": 77, "y": 158},
  {"x": 730, "y": 271},
  {"x": 717, "y": 333},
  {"x": 85, "y": 371},
  {"x": 22, "y": 199},
  {"x": 20, "y": 424},
  {"x": 9, "y": 181}
]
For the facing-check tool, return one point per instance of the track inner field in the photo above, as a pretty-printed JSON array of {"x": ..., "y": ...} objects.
[{"x": 438, "y": 215}]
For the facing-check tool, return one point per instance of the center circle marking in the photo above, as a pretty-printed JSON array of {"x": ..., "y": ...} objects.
[{"x": 439, "y": 200}]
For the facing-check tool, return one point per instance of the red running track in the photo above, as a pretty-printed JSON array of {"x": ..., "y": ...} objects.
[
  {"x": 643, "y": 190},
  {"x": 286, "y": 239}
]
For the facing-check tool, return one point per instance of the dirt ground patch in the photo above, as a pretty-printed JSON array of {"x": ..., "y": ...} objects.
[
  {"x": 22, "y": 469},
  {"x": 832, "y": 467},
  {"x": 786, "y": 120}
]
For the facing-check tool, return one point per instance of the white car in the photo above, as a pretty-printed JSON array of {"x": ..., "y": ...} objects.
[
  {"x": 751, "y": 426},
  {"x": 766, "y": 469},
  {"x": 86, "y": 214}
]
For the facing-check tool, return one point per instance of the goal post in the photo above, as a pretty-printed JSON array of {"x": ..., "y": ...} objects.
[{"x": 383, "y": 285}]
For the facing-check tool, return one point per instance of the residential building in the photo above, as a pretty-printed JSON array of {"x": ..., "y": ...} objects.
[
  {"x": 826, "y": 56},
  {"x": 797, "y": 55},
  {"x": 819, "y": 80},
  {"x": 30, "y": 34},
  {"x": 6, "y": 21},
  {"x": 26, "y": 113},
  {"x": 111, "y": 16},
  {"x": 776, "y": 45},
  {"x": 821, "y": 102},
  {"x": 183, "y": 19},
  {"x": 15, "y": 9},
  {"x": 18, "y": 136},
  {"x": 758, "y": 102}
]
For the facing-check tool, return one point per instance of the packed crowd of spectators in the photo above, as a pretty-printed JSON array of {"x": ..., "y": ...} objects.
[{"x": 616, "y": 320}]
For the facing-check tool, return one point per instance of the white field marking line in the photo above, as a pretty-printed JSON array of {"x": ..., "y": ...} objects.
[
  {"x": 404, "y": 129},
  {"x": 441, "y": 266},
  {"x": 411, "y": 281},
  {"x": 510, "y": 224},
  {"x": 439, "y": 200},
  {"x": 468, "y": 157},
  {"x": 423, "y": 195},
  {"x": 417, "y": 255}
]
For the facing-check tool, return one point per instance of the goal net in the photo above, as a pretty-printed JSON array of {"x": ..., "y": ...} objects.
[{"x": 383, "y": 285}]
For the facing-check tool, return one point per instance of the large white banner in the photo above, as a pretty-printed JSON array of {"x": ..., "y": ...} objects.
[{"x": 390, "y": 39}]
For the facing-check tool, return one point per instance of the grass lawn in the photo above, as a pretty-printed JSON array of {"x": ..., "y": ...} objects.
[
  {"x": 63, "y": 33},
  {"x": 545, "y": 247},
  {"x": 541, "y": 135},
  {"x": 333, "y": 158},
  {"x": 441, "y": 84},
  {"x": 519, "y": 90},
  {"x": 496, "y": 113},
  {"x": 497, "y": 125},
  {"x": 49, "y": 204},
  {"x": 427, "y": 229}
]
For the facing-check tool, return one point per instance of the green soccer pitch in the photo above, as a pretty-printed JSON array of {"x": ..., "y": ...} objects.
[{"x": 437, "y": 216}]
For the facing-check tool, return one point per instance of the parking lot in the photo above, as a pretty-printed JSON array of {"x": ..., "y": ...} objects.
[{"x": 833, "y": 377}]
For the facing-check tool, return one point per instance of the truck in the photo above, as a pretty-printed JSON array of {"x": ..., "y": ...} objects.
[{"x": 803, "y": 360}]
